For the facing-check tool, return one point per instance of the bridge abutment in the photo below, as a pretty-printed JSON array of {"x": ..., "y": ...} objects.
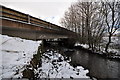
[{"x": 68, "y": 42}]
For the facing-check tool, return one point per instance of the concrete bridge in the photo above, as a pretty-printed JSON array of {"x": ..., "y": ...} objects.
[{"x": 18, "y": 24}]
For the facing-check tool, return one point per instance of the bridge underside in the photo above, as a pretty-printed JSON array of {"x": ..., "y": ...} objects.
[
  {"x": 29, "y": 34},
  {"x": 28, "y": 31}
]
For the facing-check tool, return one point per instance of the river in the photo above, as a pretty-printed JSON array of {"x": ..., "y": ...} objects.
[{"x": 97, "y": 65}]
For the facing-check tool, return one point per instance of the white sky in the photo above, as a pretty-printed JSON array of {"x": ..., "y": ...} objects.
[{"x": 49, "y": 10}]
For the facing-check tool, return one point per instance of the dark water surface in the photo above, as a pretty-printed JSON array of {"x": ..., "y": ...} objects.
[{"x": 98, "y": 66}]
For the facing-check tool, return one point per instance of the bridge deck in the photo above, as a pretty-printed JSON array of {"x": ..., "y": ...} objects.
[{"x": 15, "y": 23}]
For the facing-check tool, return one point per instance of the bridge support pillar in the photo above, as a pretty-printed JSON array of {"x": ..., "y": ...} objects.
[{"x": 69, "y": 42}]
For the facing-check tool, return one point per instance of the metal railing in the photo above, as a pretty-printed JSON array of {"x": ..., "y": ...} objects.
[
  {"x": 14, "y": 15},
  {"x": 19, "y": 16}
]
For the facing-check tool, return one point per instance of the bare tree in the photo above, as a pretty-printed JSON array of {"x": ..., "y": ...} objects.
[
  {"x": 69, "y": 19},
  {"x": 112, "y": 20},
  {"x": 91, "y": 23},
  {"x": 85, "y": 18}
]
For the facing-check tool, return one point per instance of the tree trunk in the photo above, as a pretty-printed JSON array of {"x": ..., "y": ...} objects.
[{"x": 107, "y": 45}]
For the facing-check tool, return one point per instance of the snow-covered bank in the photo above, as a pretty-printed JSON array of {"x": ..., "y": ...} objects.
[
  {"x": 55, "y": 66},
  {"x": 114, "y": 53},
  {"x": 15, "y": 54},
  {"x": 83, "y": 45}
]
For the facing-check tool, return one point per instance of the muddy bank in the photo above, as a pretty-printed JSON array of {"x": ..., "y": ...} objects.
[{"x": 29, "y": 71}]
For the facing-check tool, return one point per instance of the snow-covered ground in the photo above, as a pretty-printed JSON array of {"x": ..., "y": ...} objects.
[
  {"x": 55, "y": 66},
  {"x": 15, "y": 54},
  {"x": 114, "y": 40},
  {"x": 83, "y": 45},
  {"x": 114, "y": 47}
]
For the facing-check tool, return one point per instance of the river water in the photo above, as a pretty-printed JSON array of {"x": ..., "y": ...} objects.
[{"x": 98, "y": 66}]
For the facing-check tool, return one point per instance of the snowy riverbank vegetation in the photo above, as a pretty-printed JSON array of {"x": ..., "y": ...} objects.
[{"x": 97, "y": 24}]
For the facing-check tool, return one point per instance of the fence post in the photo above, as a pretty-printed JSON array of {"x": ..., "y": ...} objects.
[{"x": 28, "y": 18}]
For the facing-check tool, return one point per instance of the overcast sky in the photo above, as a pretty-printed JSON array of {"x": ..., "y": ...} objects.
[{"x": 49, "y": 10}]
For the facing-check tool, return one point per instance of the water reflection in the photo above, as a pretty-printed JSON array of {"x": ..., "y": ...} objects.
[{"x": 99, "y": 67}]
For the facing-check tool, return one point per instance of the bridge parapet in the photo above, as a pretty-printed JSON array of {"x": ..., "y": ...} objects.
[{"x": 16, "y": 22}]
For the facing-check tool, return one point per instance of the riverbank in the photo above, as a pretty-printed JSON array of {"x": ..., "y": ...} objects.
[
  {"x": 99, "y": 66},
  {"x": 54, "y": 65},
  {"x": 114, "y": 53},
  {"x": 15, "y": 54}
]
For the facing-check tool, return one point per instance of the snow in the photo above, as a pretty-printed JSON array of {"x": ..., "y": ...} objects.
[
  {"x": 114, "y": 39},
  {"x": 114, "y": 45},
  {"x": 54, "y": 66},
  {"x": 15, "y": 54},
  {"x": 83, "y": 45}
]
